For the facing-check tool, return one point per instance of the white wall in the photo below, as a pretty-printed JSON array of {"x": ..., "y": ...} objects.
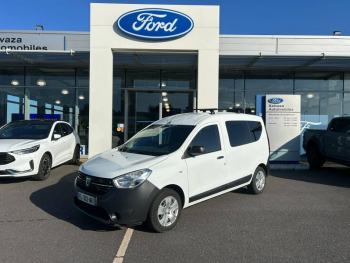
[{"x": 104, "y": 37}]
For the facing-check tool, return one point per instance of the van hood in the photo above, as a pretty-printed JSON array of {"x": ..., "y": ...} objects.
[
  {"x": 113, "y": 163},
  {"x": 7, "y": 145}
]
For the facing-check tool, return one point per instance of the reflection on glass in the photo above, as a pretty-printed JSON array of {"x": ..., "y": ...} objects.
[
  {"x": 83, "y": 119},
  {"x": 46, "y": 103},
  {"x": 177, "y": 103},
  {"x": 347, "y": 104},
  {"x": 229, "y": 82},
  {"x": 11, "y": 76},
  {"x": 178, "y": 79},
  {"x": 318, "y": 81},
  {"x": 55, "y": 77},
  {"x": 269, "y": 80},
  {"x": 83, "y": 77},
  {"x": 11, "y": 105},
  {"x": 143, "y": 79},
  {"x": 118, "y": 122}
]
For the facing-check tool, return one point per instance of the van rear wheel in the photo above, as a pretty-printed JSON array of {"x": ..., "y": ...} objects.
[
  {"x": 165, "y": 211},
  {"x": 258, "y": 182}
]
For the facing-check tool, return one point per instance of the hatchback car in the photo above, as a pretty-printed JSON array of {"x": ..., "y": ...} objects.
[
  {"x": 173, "y": 164},
  {"x": 33, "y": 147}
]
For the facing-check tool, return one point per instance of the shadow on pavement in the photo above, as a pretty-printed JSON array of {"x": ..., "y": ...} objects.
[
  {"x": 339, "y": 177},
  {"x": 57, "y": 200}
]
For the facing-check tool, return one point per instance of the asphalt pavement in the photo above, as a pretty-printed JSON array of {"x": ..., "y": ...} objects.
[{"x": 302, "y": 216}]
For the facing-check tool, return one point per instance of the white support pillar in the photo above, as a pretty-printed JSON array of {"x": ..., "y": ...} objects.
[
  {"x": 101, "y": 100},
  {"x": 208, "y": 79}
]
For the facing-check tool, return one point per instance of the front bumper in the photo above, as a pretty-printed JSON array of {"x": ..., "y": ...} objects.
[
  {"x": 119, "y": 206},
  {"x": 23, "y": 165}
]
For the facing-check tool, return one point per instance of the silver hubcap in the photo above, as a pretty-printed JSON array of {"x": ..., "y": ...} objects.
[
  {"x": 260, "y": 180},
  {"x": 168, "y": 211}
]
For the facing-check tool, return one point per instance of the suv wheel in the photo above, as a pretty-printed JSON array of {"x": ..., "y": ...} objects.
[
  {"x": 76, "y": 156},
  {"x": 44, "y": 168},
  {"x": 258, "y": 182},
  {"x": 314, "y": 157},
  {"x": 165, "y": 211}
]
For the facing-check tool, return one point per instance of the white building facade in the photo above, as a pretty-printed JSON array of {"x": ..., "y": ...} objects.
[{"x": 160, "y": 61}]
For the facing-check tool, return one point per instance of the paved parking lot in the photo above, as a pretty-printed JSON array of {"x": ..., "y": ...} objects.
[{"x": 303, "y": 216}]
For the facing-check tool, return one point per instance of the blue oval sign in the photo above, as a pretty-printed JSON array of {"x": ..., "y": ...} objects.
[
  {"x": 155, "y": 23},
  {"x": 275, "y": 100}
]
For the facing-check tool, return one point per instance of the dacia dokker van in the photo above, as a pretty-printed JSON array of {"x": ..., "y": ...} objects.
[{"x": 172, "y": 164}]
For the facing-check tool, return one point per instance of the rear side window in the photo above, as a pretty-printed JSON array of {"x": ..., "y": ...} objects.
[
  {"x": 66, "y": 129},
  {"x": 255, "y": 130},
  {"x": 346, "y": 126},
  {"x": 238, "y": 133},
  {"x": 209, "y": 138}
]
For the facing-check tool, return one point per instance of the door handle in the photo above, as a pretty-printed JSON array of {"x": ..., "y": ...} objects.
[{"x": 220, "y": 157}]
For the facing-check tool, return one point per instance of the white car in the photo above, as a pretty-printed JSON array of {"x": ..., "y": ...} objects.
[
  {"x": 33, "y": 147},
  {"x": 172, "y": 164}
]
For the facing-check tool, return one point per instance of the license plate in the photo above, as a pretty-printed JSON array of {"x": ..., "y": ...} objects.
[{"x": 87, "y": 199}]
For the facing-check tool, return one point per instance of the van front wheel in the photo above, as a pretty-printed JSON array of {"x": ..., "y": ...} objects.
[{"x": 165, "y": 211}]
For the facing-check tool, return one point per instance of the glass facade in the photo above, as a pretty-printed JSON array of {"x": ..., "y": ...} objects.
[
  {"x": 46, "y": 93},
  {"x": 142, "y": 96},
  {"x": 324, "y": 94}
]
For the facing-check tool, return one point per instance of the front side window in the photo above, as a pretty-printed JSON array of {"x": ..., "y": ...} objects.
[
  {"x": 209, "y": 138},
  {"x": 25, "y": 130},
  {"x": 337, "y": 125},
  {"x": 158, "y": 140},
  {"x": 57, "y": 130},
  {"x": 66, "y": 129},
  {"x": 238, "y": 133}
]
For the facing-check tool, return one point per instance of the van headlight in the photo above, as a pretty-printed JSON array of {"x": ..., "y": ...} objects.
[
  {"x": 130, "y": 180},
  {"x": 27, "y": 150}
]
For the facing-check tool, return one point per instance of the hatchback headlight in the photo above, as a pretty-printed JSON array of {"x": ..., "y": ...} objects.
[
  {"x": 130, "y": 180},
  {"x": 26, "y": 151}
]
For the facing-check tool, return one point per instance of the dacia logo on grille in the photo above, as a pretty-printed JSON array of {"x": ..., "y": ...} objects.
[{"x": 88, "y": 181}]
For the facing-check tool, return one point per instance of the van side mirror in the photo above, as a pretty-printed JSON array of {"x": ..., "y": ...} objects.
[
  {"x": 195, "y": 150},
  {"x": 57, "y": 136}
]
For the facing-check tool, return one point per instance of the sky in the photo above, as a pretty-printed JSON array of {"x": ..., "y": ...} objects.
[{"x": 241, "y": 17}]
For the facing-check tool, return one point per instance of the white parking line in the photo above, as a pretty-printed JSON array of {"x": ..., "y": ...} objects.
[{"x": 123, "y": 246}]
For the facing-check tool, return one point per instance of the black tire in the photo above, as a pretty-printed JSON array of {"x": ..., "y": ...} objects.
[
  {"x": 314, "y": 156},
  {"x": 44, "y": 168},
  {"x": 153, "y": 220},
  {"x": 258, "y": 184},
  {"x": 76, "y": 156}
]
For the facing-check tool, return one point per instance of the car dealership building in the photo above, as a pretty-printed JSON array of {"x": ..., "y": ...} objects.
[{"x": 137, "y": 66}]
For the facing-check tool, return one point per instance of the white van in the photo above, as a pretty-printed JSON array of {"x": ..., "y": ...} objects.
[{"x": 172, "y": 164}]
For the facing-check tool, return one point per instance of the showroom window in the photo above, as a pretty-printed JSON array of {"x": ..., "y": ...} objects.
[
  {"x": 231, "y": 85},
  {"x": 318, "y": 81},
  {"x": 11, "y": 104},
  {"x": 178, "y": 79},
  {"x": 11, "y": 76},
  {"x": 50, "y": 77}
]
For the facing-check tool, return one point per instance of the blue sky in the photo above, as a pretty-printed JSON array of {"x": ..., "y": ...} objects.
[{"x": 266, "y": 17}]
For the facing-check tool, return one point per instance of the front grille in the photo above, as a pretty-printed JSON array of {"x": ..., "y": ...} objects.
[
  {"x": 6, "y": 158},
  {"x": 91, "y": 210},
  {"x": 98, "y": 185}
]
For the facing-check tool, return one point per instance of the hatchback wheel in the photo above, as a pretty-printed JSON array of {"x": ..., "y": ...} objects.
[
  {"x": 44, "y": 168},
  {"x": 165, "y": 211},
  {"x": 258, "y": 183},
  {"x": 76, "y": 156}
]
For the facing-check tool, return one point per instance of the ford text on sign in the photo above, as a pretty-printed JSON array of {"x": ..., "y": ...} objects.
[{"x": 155, "y": 23}]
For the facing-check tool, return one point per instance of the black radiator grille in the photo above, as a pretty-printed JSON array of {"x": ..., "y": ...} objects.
[
  {"x": 97, "y": 185},
  {"x": 6, "y": 158}
]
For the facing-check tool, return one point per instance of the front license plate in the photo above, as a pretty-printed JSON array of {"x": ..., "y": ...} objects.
[{"x": 87, "y": 199}]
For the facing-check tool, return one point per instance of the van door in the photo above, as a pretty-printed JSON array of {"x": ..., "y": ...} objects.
[
  {"x": 241, "y": 150},
  {"x": 207, "y": 171}
]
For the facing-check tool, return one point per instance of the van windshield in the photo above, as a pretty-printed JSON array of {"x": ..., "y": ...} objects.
[{"x": 158, "y": 140}]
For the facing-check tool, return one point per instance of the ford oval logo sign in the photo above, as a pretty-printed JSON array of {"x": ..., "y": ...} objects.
[
  {"x": 275, "y": 100},
  {"x": 155, "y": 23}
]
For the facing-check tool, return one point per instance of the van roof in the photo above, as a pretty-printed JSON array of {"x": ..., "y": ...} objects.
[{"x": 196, "y": 118}]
